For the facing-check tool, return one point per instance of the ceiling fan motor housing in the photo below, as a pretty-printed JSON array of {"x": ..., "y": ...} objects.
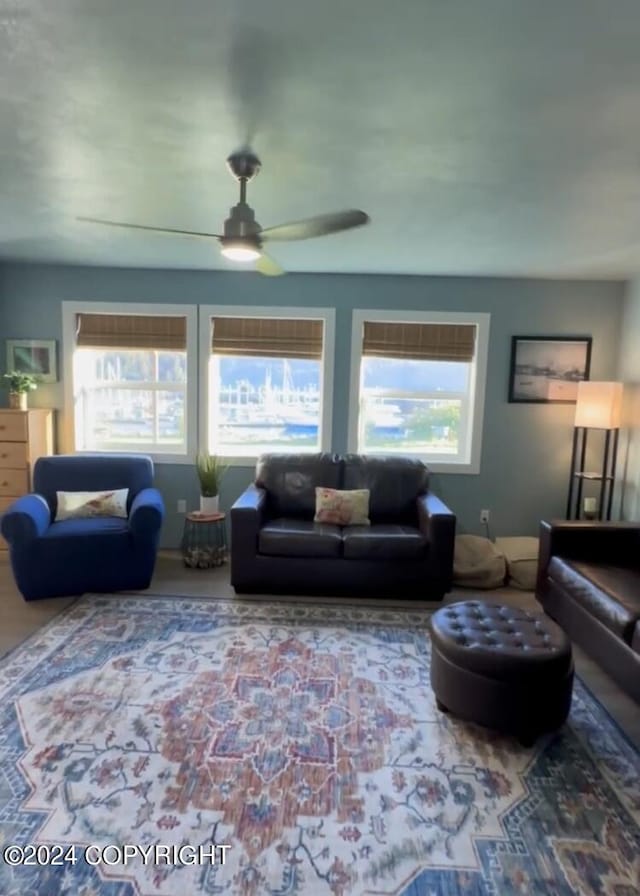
[{"x": 242, "y": 225}]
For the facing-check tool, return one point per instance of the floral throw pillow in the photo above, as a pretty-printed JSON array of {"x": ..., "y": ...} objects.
[
  {"x": 342, "y": 508},
  {"x": 75, "y": 505}
]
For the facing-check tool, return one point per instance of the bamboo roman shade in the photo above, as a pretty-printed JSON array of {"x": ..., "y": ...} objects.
[
  {"x": 267, "y": 337},
  {"x": 419, "y": 342},
  {"x": 138, "y": 331}
]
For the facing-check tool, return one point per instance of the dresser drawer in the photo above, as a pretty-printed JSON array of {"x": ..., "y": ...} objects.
[
  {"x": 5, "y": 502},
  {"x": 13, "y": 427},
  {"x": 13, "y": 455},
  {"x": 14, "y": 482}
]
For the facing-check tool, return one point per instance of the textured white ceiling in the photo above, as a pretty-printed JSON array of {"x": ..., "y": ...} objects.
[{"x": 481, "y": 136}]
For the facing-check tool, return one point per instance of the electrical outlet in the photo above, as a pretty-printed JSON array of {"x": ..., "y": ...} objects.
[
  {"x": 484, "y": 516},
  {"x": 182, "y": 505}
]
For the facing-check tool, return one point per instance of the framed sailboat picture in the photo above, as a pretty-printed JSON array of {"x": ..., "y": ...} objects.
[{"x": 548, "y": 369}]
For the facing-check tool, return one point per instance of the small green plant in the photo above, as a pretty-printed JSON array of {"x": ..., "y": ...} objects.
[
  {"x": 210, "y": 473},
  {"x": 22, "y": 382}
]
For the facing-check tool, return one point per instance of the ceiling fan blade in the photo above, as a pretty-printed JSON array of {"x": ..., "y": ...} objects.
[
  {"x": 268, "y": 266},
  {"x": 147, "y": 227},
  {"x": 321, "y": 225}
]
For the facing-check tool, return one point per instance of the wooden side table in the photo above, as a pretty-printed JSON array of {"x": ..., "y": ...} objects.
[{"x": 204, "y": 540}]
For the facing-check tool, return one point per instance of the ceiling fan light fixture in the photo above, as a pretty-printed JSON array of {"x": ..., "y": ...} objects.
[{"x": 240, "y": 252}]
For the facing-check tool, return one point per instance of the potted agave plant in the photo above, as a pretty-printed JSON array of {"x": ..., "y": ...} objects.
[
  {"x": 20, "y": 384},
  {"x": 210, "y": 471}
]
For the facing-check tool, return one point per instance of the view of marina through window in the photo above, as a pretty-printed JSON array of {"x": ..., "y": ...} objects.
[
  {"x": 130, "y": 398},
  {"x": 264, "y": 404},
  {"x": 261, "y": 404},
  {"x": 137, "y": 398},
  {"x": 411, "y": 407}
]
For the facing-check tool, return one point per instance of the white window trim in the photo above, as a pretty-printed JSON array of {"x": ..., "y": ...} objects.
[
  {"x": 190, "y": 312},
  {"x": 328, "y": 315},
  {"x": 476, "y": 386}
]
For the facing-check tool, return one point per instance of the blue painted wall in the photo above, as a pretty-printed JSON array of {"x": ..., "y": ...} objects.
[
  {"x": 629, "y": 372},
  {"x": 525, "y": 448}
]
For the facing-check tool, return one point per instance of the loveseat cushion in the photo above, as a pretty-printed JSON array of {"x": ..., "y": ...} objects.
[
  {"x": 286, "y": 537},
  {"x": 290, "y": 481},
  {"x": 384, "y": 541},
  {"x": 609, "y": 593},
  {"x": 393, "y": 482}
]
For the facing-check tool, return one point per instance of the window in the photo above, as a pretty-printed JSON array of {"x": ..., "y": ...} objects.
[
  {"x": 268, "y": 374},
  {"x": 129, "y": 375},
  {"x": 418, "y": 386}
]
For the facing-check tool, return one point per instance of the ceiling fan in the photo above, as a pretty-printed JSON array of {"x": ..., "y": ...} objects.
[{"x": 243, "y": 237}]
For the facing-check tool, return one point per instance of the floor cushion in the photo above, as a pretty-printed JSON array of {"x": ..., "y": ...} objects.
[
  {"x": 477, "y": 563},
  {"x": 521, "y": 555}
]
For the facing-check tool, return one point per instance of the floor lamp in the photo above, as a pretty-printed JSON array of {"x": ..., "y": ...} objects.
[{"x": 599, "y": 406}]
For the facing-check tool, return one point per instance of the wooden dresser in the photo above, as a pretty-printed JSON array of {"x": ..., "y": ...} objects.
[{"x": 24, "y": 437}]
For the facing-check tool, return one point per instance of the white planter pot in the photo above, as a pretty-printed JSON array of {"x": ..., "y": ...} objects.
[
  {"x": 18, "y": 400},
  {"x": 208, "y": 504}
]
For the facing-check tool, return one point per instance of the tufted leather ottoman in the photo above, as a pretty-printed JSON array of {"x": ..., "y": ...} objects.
[{"x": 501, "y": 667}]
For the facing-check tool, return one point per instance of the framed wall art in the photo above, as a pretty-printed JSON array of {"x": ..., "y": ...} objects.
[
  {"x": 548, "y": 369},
  {"x": 36, "y": 356}
]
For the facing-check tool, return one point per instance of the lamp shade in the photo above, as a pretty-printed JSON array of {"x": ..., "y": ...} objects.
[{"x": 599, "y": 405}]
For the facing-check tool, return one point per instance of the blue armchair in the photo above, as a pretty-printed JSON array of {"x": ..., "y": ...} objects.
[{"x": 72, "y": 556}]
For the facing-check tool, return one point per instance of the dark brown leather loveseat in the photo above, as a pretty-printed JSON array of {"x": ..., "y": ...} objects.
[
  {"x": 276, "y": 547},
  {"x": 589, "y": 582}
]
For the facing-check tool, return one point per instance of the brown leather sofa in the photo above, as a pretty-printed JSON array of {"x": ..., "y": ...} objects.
[
  {"x": 589, "y": 582},
  {"x": 276, "y": 547}
]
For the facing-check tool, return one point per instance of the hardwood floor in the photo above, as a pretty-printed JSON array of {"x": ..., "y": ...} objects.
[{"x": 19, "y": 619}]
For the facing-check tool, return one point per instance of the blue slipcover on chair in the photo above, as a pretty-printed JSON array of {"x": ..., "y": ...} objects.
[{"x": 51, "y": 559}]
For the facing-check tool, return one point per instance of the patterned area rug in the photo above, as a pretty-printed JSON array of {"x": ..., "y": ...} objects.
[{"x": 160, "y": 746}]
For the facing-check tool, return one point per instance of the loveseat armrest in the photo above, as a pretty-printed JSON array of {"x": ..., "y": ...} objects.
[
  {"x": 27, "y": 518},
  {"x": 438, "y": 524},
  {"x": 146, "y": 514},
  {"x": 247, "y": 516},
  {"x": 590, "y": 541}
]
